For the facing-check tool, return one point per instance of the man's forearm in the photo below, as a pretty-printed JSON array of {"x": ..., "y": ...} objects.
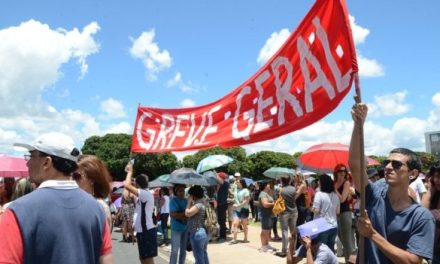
[
  {"x": 395, "y": 254},
  {"x": 354, "y": 156}
]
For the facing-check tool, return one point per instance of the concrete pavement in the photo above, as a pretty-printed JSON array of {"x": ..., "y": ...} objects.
[
  {"x": 224, "y": 253},
  {"x": 219, "y": 253}
]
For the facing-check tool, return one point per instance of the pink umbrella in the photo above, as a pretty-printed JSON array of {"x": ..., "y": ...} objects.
[
  {"x": 13, "y": 167},
  {"x": 323, "y": 158},
  {"x": 117, "y": 184}
]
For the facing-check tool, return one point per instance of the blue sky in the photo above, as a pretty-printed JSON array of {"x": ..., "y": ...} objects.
[{"x": 82, "y": 67}]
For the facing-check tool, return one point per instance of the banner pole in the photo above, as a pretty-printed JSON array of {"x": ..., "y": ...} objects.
[
  {"x": 130, "y": 156},
  {"x": 357, "y": 98}
]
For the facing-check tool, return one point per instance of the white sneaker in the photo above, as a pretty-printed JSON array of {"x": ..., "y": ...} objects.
[
  {"x": 266, "y": 249},
  {"x": 270, "y": 247}
]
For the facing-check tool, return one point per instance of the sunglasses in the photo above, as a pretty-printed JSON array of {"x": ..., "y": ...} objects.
[
  {"x": 342, "y": 171},
  {"x": 396, "y": 164}
]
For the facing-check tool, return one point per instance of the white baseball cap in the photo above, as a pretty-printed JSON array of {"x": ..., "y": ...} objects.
[
  {"x": 55, "y": 144},
  {"x": 237, "y": 174}
]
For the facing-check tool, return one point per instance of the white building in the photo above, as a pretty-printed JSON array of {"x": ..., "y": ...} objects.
[{"x": 432, "y": 142}]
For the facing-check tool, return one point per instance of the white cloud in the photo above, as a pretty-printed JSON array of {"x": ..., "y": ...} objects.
[
  {"x": 389, "y": 105},
  {"x": 359, "y": 33},
  {"x": 369, "y": 68},
  {"x": 436, "y": 99},
  {"x": 409, "y": 132},
  {"x": 184, "y": 87},
  {"x": 187, "y": 103},
  {"x": 31, "y": 56},
  {"x": 177, "y": 79},
  {"x": 123, "y": 127},
  {"x": 434, "y": 115},
  {"x": 148, "y": 51},
  {"x": 272, "y": 44},
  {"x": 112, "y": 108}
]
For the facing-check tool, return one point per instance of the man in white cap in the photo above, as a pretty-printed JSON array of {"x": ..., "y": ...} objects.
[
  {"x": 58, "y": 222},
  {"x": 237, "y": 176}
]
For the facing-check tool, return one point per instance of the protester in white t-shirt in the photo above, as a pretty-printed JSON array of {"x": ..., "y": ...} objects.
[
  {"x": 327, "y": 205},
  {"x": 146, "y": 233},
  {"x": 419, "y": 188}
]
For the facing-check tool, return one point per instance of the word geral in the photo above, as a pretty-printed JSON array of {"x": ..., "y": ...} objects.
[{"x": 304, "y": 81}]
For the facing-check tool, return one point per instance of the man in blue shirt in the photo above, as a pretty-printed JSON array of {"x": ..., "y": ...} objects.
[
  {"x": 396, "y": 229},
  {"x": 179, "y": 234}
]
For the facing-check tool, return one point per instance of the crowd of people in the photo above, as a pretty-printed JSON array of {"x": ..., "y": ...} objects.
[{"x": 71, "y": 192}]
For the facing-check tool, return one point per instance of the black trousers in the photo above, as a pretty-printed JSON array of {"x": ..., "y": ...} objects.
[{"x": 221, "y": 218}]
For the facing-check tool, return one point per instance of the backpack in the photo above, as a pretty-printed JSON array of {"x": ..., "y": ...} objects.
[
  {"x": 211, "y": 223},
  {"x": 279, "y": 206}
]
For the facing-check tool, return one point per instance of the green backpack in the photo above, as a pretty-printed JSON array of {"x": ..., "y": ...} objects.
[{"x": 211, "y": 223}]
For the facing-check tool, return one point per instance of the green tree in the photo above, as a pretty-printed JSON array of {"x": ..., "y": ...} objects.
[
  {"x": 427, "y": 160},
  {"x": 113, "y": 149},
  {"x": 263, "y": 160},
  {"x": 155, "y": 164}
]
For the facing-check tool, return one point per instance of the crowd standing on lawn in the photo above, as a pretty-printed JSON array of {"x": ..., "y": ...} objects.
[{"x": 399, "y": 224}]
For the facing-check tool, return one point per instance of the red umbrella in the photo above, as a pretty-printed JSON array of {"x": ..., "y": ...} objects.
[
  {"x": 13, "y": 167},
  {"x": 323, "y": 158}
]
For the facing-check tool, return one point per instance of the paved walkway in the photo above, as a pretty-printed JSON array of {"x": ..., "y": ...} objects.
[{"x": 223, "y": 253}]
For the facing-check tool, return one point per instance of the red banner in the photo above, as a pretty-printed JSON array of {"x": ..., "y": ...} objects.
[{"x": 304, "y": 81}]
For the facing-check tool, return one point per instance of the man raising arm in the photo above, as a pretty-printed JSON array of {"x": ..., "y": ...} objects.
[{"x": 397, "y": 230}]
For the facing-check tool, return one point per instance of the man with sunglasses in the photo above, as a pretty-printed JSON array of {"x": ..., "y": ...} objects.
[
  {"x": 396, "y": 229},
  {"x": 58, "y": 222}
]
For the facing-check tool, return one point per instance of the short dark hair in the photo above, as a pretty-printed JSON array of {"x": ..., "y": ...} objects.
[
  {"x": 285, "y": 180},
  {"x": 62, "y": 165},
  {"x": 176, "y": 186},
  {"x": 413, "y": 159},
  {"x": 243, "y": 183},
  {"x": 263, "y": 184},
  {"x": 165, "y": 190},
  {"x": 326, "y": 183},
  {"x": 434, "y": 168},
  {"x": 196, "y": 191},
  {"x": 381, "y": 172},
  {"x": 142, "y": 180}
]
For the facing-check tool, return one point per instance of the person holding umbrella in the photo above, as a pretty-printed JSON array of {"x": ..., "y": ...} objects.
[{"x": 396, "y": 229}]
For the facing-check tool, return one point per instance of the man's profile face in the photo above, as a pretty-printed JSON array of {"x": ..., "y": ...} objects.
[
  {"x": 397, "y": 171},
  {"x": 35, "y": 166}
]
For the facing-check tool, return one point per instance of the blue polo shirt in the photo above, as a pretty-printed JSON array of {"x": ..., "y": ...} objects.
[{"x": 178, "y": 205}]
